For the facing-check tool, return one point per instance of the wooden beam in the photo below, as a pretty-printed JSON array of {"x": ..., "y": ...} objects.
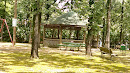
[{"x": 67, "y": 27}]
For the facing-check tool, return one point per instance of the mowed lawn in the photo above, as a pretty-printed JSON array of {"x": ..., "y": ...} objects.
[{"x": 53, "y": 60}]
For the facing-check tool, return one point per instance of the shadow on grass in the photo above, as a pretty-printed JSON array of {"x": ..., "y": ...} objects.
[
  {"x": 68, "y": 61},
  {"x": 57, "y": 60}
]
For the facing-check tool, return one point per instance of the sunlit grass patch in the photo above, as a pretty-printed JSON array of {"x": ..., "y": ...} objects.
[{"x": 53, "y": 62}]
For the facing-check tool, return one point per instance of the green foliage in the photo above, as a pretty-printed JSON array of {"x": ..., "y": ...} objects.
[
  {"x": 49, "y": 7},
  {"x": 116, "y": 22}
]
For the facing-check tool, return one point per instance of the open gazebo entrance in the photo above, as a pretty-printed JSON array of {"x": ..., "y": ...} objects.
[{"x": 50, "y": 42}]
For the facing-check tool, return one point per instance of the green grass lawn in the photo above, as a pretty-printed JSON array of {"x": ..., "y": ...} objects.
[{"x": 17, "y": 59}]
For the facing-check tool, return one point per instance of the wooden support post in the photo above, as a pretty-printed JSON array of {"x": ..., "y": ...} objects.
[
  {"x": 77, "y": 34},
  {"x": 84, "y": 37},
  {"x": 53, "y": 33},
  {"x": 60, "y": 35},
  {"x": 70, "y": 34}
]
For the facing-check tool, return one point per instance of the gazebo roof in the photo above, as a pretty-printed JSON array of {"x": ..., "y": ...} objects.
[{"x": 70, "y": 18}]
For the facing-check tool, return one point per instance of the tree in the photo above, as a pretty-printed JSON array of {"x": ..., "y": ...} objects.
[
  {"x": 35, "y": 39},
  {"x": 107, "y": 42},
  {"x": 116, "y": 22},
  {"x": 93, "y": 11},
  {"x": 90, "y": 29},
  {"x": 104, "y": 22}
]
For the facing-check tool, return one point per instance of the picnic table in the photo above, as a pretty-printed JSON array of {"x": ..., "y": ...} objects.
[{"x": 71, "y": 45}]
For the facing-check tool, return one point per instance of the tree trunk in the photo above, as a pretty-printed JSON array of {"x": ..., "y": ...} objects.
[
  {"x": 34, "y": 51},
  {"x": 44, "y": 34},
  {"x": 103, "y": 33},
  {"x": 89, "y": 42},
  {"x": 39, "y": 30},
  {"x": 36, "y": 23},
  {"x": 122, "y": 11},
  {"x": 30, "y": 28},
  {"x": 107, "y": 42},
  {"x": 30, "y": 39}
]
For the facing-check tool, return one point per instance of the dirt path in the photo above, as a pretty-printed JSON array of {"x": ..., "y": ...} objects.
[{"x": 25, "y": 47}]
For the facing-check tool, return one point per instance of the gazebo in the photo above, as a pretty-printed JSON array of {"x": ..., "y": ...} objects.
[{"x": 68, "y": 21}]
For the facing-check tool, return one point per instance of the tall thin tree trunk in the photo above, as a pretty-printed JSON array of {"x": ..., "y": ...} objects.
[
  {"x": 30, "y": 34},
  {"x": 30, "y": 29},
  {"x": 122, "y": 11},
  {"x": 107, "y": 42},
  {"x": 103, "y": 33}
]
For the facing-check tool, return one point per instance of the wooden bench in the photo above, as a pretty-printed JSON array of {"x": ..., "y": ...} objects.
[
  {"x": 60, "y": 45},
  {"x": 71, "y": 45},
  {"x": 106, "y": 51}
]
